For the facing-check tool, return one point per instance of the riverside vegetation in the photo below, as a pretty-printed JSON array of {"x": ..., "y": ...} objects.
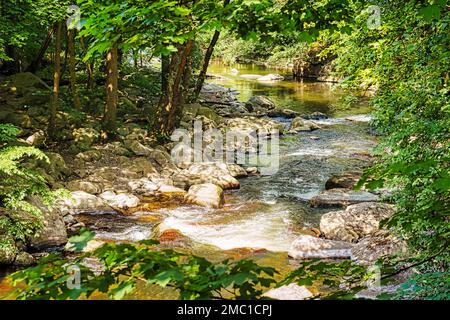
[{"x": 88, "y": 184}]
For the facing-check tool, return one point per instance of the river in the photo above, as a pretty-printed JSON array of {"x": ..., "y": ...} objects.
[{"x": 267, "y": 212}]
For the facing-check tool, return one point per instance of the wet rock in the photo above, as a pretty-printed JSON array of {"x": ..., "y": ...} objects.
[
  {"x": 122, "y": 201},
  {"x": 341, "y": 198},
  {"x": 84, "y": 202},
  {"x": 86, "y": 186},
  {"x": 355, "y": 222},
  {"x": 372, "y": 248},
  {"x": 24, "y": 259},
  {"x": 206, "y": 172},
  {"x": 291, "y": 291},
  {"x": 170, "y": 236},
  {"x": 300, "y": 124},
  {"x": 206, "y": 195},
  {"x": 310, "y": 247},
  {"x": 271, "y": 77},
  {"x": 236, "y": 170},
  {"x": 346, "y": 180},
  {"x": 252, "y": 170},
  {"x": 260, "y": 105}
]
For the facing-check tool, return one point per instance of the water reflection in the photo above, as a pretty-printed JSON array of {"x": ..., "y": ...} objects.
[{"x": 302, "y": 96}]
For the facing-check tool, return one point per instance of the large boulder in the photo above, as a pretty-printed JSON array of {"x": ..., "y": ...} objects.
[
  {"x": 291, "y": 291},
  {"x": 206, "y": 195},
  {"x": 122, "y": 201},
  {"x": 81, "y": 201},
  {"x": 370, "y": 249},
  {"x": 260, "y": 105},
  {"x": 341, "y": 198},
  {"x": 346, "y": 180},
  {"x": 206, "y": 172},
  {"x": 355, "y": 222},
  {"x": 310, "y": 247},
  {"x": 54, "y": 232}
]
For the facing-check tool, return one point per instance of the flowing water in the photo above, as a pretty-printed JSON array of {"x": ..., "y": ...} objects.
[{"x": 267, "y": 212}]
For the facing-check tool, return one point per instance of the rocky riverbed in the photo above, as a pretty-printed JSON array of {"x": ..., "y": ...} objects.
[{"x": 130, "y": 190}]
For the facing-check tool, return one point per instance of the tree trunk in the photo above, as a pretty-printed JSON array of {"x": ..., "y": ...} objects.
[
  {"x": 165, "y": 70},
  {"x": 89, "y": 69},
  {"x": 169, "y": 110},
  {"x": 56, "y": 78},
  {"x": 36, "y": 63},
  {"x": 110, "y": 114},
  {"x": 206, "y": 61},
  {"x": 72, "y": 71}
]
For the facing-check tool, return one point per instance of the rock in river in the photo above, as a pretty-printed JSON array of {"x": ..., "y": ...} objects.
[
  {"x": 346, "y": 180},
  {"x": 120, "y": 201},
  {"x": 300, "y": 124},
  {"x": 355, "y": 222},
  {"x": 381, "y": 244},
  {"x": 309, "y": 247},
  {"x": 207, "y": 172},
  {"x": 341, "y": 198},
  {"x": 206, "y": 195},
  {"x": 260, "y": 104},
  {"x": 84, "y": 202}
]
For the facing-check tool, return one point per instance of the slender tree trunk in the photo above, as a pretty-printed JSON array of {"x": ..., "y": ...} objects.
[
  {"x": 89, "y": 68},
  {"x": 136, "y": 58},
  {"x": 36, "y": 63},
  {"x": 72, "y": 71},
  {"x": 56, "y": 79},
  {"x": 208, "y": 54},
  {"x": 165, "y": 70},
  {"x": 169, "y": 110},
  {"x": 110, "y": 114}
]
